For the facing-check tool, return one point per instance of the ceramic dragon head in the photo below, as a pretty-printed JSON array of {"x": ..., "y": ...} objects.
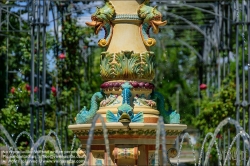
[
  {"x": 151, "y": 16},
  {"x": 102, "y": 16}
]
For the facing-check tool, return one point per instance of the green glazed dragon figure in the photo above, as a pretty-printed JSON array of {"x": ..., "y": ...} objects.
[
  {"x": 102, "y": 19},
  {"x": 85, "y": 116},
  {"x": 151, "y": 18},
  {"x": 150, "y": 15},
  {"x": 170, "y": 116}
]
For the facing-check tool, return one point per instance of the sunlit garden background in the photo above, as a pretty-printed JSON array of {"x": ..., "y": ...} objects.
[{"x": 202, "y": 67}]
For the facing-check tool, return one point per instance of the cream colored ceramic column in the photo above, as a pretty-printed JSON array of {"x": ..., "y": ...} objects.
[{"x": 126, "y": 35}]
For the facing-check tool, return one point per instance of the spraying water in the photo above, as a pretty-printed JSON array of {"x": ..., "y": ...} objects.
[
  {"x": 160, "y": 138},
  {"x": 160, "y": 132},
  {"x": 91, "y": 135},
  {"x": 203, "y": 146},
  {"x": 192, "y": 146}
]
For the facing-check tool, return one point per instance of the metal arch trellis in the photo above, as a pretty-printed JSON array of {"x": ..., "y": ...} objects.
[
  {"x": 37, "y": 17},
  {"x": 211, "y": 38},
  {"x": 42, "y": 25},
  {"x": 241, "y": 10},
  {"x": 191, "y": 48},
  {"x": 191, "y": 24},
  {"x": 2, "y": 22},
  {"x": 234, "y": 18}
]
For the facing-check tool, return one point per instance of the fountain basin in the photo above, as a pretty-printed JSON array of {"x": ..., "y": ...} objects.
[
  {"x": 137, "y": 138},
  {"x": 135, "y": 131}
]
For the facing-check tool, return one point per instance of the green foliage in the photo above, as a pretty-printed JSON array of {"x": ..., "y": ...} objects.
[
  {"x": 14, "y": 117},
  {"x": 76, "y": 75},
  {"x": 213, "y": 110},
  {"x": 71, "y": 77},
  {"x": 175, "y": 71},
  {"x": 216, "y": 108}
]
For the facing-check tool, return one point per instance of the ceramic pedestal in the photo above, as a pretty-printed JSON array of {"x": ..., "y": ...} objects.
[{"x": 127, "y": 59}]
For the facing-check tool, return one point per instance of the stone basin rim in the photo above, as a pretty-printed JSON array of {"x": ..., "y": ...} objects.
[{"x": 118, "y": 125}]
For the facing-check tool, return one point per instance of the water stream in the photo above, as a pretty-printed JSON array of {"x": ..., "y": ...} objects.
[
  {"x": 203, "y": 146},
  {"x": 160, "y": 139},
  {"x": 244, "y": 136},
  {"x": 160, "y": 132},
  {"x": 192, "y": 146},
  {"x": 91, "y": 135},
  {"x": 39, "y": 142},
  {"x": 12, "y": 143}
]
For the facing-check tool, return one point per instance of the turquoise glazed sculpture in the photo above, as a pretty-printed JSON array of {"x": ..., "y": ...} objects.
[
  {"x": 85, "y": 116},
  {"x": 125, "y": 111},
  {"x": 169, "y": 116},
  {"x": 126, "y": 94},
  {"x": 125, "y": 114}
]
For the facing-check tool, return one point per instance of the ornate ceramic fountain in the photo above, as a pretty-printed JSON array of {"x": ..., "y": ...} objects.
[{"x": 128, "y": 102}]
